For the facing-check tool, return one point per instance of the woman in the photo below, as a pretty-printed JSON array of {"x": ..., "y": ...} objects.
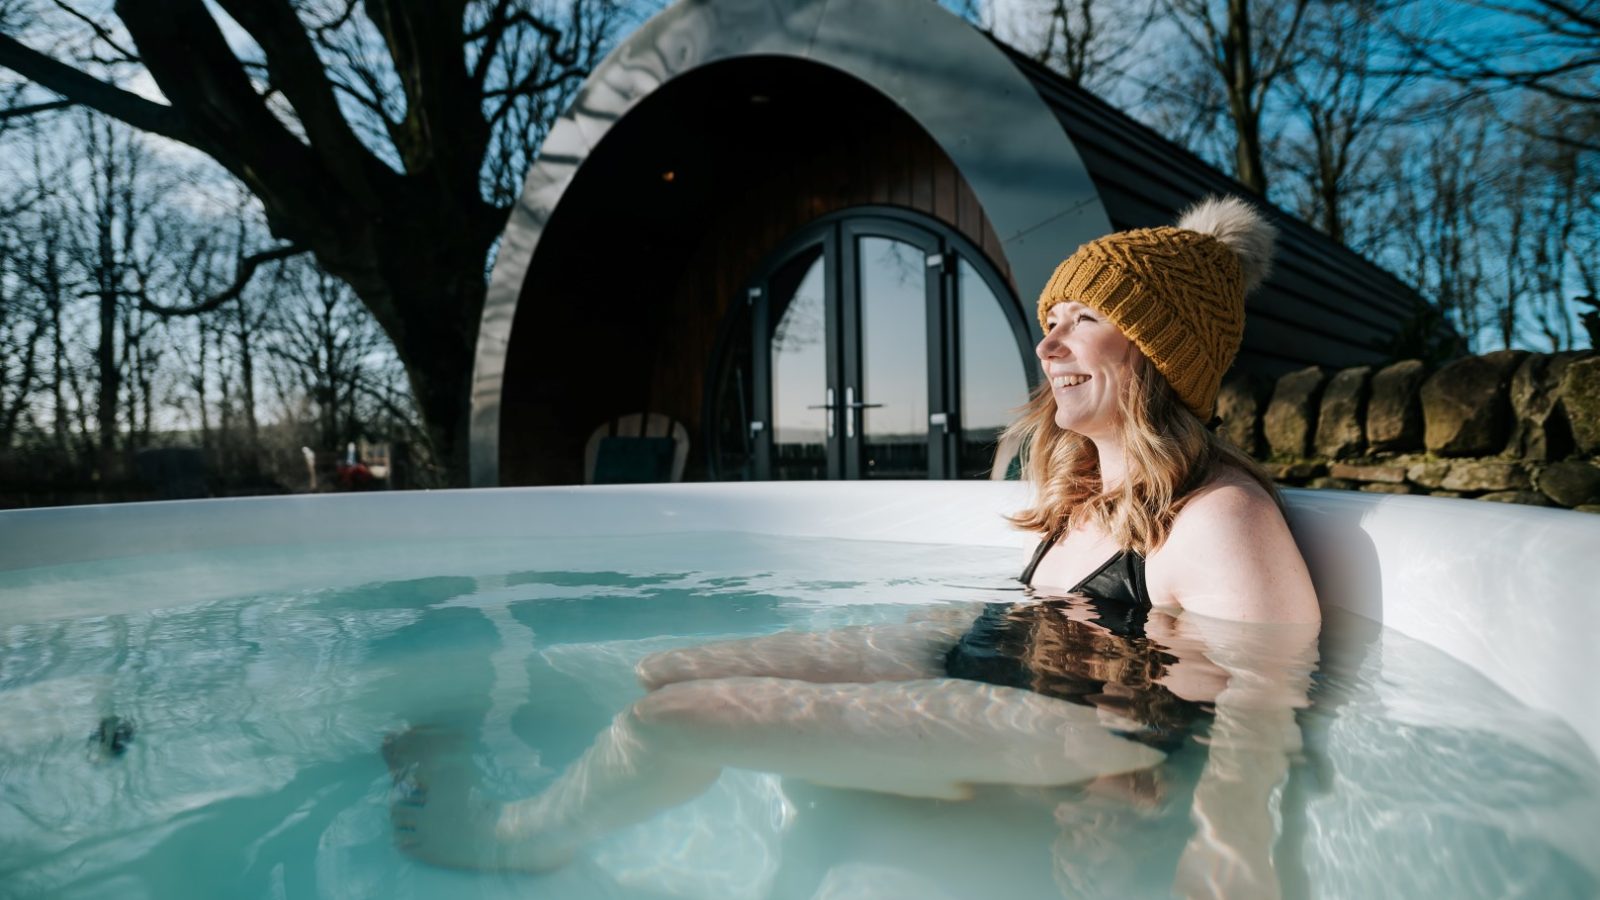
[{"x": 1162, "y": 527}]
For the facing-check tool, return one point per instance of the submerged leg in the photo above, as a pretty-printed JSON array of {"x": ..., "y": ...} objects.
[
  {"x": 439, "y": 814},
  {"x": 856, "y": 654},
  {"x": 928, "y": 738}
]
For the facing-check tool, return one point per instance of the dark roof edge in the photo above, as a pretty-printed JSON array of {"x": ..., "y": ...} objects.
[{"x": 1039, "y": 73}]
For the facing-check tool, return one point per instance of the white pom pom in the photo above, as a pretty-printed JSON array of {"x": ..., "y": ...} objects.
[{"x": 1238, "y": 225}]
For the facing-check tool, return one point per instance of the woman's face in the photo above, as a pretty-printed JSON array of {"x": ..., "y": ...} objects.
[{"x": 1088, "y": 364}]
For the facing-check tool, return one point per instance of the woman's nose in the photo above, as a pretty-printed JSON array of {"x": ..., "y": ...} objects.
[{"x": 1050, "y": 345}]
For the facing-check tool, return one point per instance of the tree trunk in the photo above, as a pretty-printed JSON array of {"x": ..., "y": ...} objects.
[
  {"x": 200, "y": 390},
  {"x": 1332, "y": 221},
  {"x": 439, "y": 368},
  {"x": 58, "y": 348},
  {"x": 1239, "y": 57},
  {"x": 110, "y": 373},
  {"x": 225, "y": 436},
  {"x": 247, "y": 376}
]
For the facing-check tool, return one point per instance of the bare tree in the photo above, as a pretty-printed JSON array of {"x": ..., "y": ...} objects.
[
  {"x": 39, "y": 219},
  {"x": 1249, "y": 47},
  {"x": 194, "y": 358},
  {"x": 1090, "y": 43},
  {"x": 1546, "y": 47},
  {"x": 328, "y": 347},
  {"x": 1510, "y": 242},
  {"x": 1549, "y": 195},
  {"x": 1430, "y": 234},
  {"x": 1585, "y": 258},
  {"x": 1535, "y": 66},
  {"x": 386, "y": 138},
  {"x": 114, "y": 252},
  {"x": 1342, "y": 106},
  {"x": 23, "y": 322},
  {"x": 1188, "y": 105}
]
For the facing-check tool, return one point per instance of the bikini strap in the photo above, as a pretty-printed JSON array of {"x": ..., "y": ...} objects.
[{"x": 1044, "y": 547}]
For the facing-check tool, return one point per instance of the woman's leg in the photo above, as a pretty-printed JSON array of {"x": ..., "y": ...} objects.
[
  {"x": 855, "y": 654},
  {"x": 926, "y": 738}
]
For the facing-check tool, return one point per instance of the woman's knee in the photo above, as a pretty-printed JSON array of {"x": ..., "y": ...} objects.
[
  {"x": 672, "y": 667},
  {"x": 698, "y": 702},
  {"x": 657, "y": 669}
]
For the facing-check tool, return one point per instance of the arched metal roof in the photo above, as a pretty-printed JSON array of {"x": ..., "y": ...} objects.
[{"x": 956, "y": 84}]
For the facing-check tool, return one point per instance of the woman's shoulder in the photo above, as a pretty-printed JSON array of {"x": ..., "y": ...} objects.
[
  {"x": 1228, "y": 498},
  {"x": 1230, "y": 554}
]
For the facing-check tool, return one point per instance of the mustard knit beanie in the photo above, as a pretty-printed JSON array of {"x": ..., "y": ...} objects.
[{"x": 1176, "y": 292}]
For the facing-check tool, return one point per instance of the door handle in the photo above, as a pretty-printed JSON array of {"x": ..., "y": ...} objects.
[
  {"x": 850, "y": 401},
  {"x": 850, "y": 407},
  {"x": 828, "y": 406}
]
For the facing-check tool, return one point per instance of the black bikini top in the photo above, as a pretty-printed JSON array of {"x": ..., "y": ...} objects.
[
  {"x": 1098, "y": 657},
  {"x": 1102, "y": 660},
  {"x": 1119, "y": 580}
]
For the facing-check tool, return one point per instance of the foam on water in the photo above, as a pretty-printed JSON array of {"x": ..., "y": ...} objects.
[{"x": 261, "y": 683}]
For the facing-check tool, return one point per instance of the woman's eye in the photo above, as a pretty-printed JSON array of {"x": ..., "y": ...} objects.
[{"x": 1083, "y": 317}]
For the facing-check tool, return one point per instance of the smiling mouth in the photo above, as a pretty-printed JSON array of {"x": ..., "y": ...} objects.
[{"x": 1062, "y": 381}]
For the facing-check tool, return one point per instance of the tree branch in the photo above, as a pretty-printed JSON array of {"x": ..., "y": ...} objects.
[
  {"x": 187, "y": 54},
  {"x": 83, "y": 88},
  {"x": 247, "y": 269},
  {"x": 444, "y": 132},
  {"x": 1282, "y": 53},
  {"x": 98, "y": 29},
  {"x": 529, "y": 86},
  {"x": 297, "y": 71},
  {"x": 373, "y": 99},
  {"x": 32, "y": 109},
  {"x": 495, "y": 30},
  {"x": 338, "y": 21},
  {"x": 1573, "y": 13}
]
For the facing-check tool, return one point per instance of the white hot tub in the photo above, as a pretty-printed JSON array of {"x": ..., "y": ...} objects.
[{"x": 1511, "y": 592}]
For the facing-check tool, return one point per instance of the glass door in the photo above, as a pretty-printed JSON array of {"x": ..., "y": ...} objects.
[
  {"x": 874, "y": 346},
  {"x": 890, "y": 314}
]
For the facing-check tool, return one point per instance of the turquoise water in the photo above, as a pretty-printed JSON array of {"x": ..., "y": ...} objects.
[{"x": 261, "y": 683}]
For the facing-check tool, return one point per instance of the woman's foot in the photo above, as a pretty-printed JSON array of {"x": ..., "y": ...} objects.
[{"x": 441, "y": 816}]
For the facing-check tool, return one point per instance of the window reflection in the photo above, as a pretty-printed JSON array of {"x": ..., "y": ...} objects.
[
  {"x": 994, "y": 382},
  {"x": 800, "y": 373},
  {"x": 894, "y": 359}
]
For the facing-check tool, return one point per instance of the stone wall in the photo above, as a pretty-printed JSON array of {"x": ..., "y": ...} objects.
[{"x": 1510, "y": 426}]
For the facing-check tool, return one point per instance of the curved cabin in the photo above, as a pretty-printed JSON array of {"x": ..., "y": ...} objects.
[{"x": 811, "y": 232}]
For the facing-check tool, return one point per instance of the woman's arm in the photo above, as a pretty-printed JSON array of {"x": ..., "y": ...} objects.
[
  {"x": 1249, "y": 608},
  {"x": 1253, "y": 737}
]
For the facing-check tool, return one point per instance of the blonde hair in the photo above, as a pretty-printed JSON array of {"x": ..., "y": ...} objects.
[{"x": 1169, "y": 453}]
